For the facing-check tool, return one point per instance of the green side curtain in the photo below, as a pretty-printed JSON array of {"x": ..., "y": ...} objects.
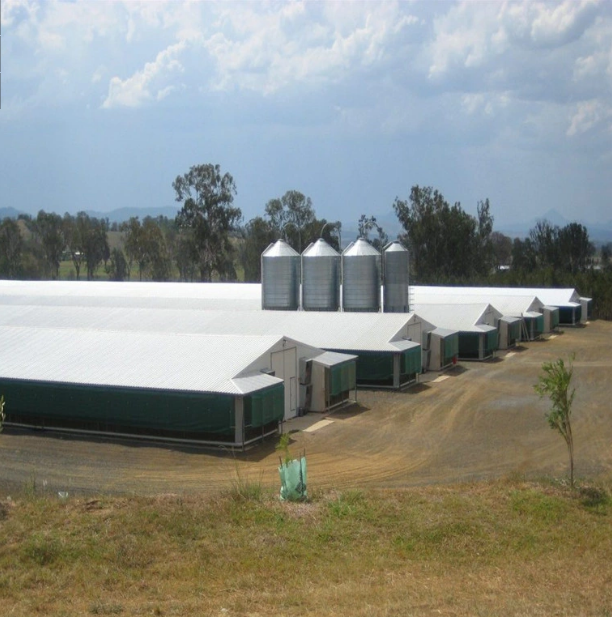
[
  {"x": 451, "y": 347},
  {"x": 119, "y": 409},
  {"x": 554, "y": 318},
  {"x": 468, "y": 344},
  {"x": 343, "y": 377},
  {"x": 514, "y": 330},
  {"x": 491, "y": 342},
  {"x": 374, "y": 366},
  {"x": 411, "y": 361},
  {"x": 265, "y": 406}
]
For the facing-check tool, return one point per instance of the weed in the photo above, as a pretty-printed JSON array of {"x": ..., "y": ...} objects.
[
  {"x": 246, "y": 489},
  {"x": 595, "y": 498},
  {"x": 105, "y": 608},
  {"x": 42, "y": 550}
]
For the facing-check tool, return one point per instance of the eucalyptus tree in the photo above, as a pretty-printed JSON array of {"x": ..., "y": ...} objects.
[{"x": 207, "y": 217}]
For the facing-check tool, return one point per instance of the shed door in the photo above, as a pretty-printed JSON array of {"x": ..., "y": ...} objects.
[{"x": 284, "y": 365}]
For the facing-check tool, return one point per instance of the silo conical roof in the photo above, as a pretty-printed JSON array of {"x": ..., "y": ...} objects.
[
  {"x": 360, "y": 247},
  {"x": 280, "y": 249},
  {"x": 395, "y": 246},
  {"x": 320, "y": 248}
]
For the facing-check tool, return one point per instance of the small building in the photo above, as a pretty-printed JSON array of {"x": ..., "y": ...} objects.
[
  {"x": 442, "y": 350},
  {"x": 534, "y": 316},
  {"x": 475, "y": 323}
]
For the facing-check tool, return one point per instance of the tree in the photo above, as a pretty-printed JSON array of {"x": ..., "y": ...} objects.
[
  {"x": 523, "y": 255},
  {"x": 485, "y": 254},
  {"x": 606, "y": 255},
  {"x": 575, "y": 248},
  {"x": 11, "y": 246},
  {"x": 49, "y": 229},
  {"x": 74, "y": 230},
  {"x": 369, "y": 223},
  {"x": 502, "y": 249},
  {"x": 93, "y": 239},
  {"x": 445, "y": 242},
  {"x": 291, "y": 215},
  {"x": 146, "y": 245},
  {"x": 208, "y": 216},
  {"x": 118, "y": 269},
  {"x": 257, "y": 234},
  {"x": 555, "y": 383}
]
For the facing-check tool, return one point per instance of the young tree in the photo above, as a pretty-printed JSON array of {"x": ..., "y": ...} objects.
[
  {"x": 208, "y": 214},
  {"x": 555, "y": 383}
]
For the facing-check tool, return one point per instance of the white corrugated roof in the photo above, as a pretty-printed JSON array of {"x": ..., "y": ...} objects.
[
  {"x": 193, "y": 362},
  {"x": 220, "y": 296},
  {"x": 461, "y": 317},
  {"x": 547, "y": 295},
  {"x": 331, "y": 358},
  {"x": 350, "y": 331}
]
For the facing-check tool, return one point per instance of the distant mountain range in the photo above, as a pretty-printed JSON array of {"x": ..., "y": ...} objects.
[{"x": 598, "y": 232}]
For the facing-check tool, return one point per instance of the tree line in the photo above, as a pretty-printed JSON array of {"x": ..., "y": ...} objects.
[{"x": 206, "y": 241}]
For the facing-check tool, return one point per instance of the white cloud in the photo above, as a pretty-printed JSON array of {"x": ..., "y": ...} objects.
[
  {"x": 590, "y": 116},
  {"x": 148, "y": 83}
]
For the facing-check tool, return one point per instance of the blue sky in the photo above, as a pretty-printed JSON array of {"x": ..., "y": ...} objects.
[{"x": 105, "y": 103}]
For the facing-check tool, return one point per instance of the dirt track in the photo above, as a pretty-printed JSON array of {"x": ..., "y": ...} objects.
[{"x": 483, "y": 421}]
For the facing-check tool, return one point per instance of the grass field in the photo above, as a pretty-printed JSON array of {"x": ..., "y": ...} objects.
[{"x": 506, "y": 547}]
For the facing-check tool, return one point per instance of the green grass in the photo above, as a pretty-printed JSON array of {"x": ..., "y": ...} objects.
[{"x": 504, "y": 548}]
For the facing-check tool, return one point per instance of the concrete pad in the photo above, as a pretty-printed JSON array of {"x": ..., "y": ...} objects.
[
  {"x": 439, "y": 379},
  {"x": 318, "y": 425}
]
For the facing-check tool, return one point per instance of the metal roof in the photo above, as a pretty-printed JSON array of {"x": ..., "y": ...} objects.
[
  {"x": 461, "y": 317},
  {"x": 332, "y": 358},
  {"x": 323, "y": 330},
  {"x": 320, "y": 248},
  {"x": 444, "y": 332},
  {"x": 129, "y": 294},
  {"x": 358, "y": 248},
  {"x": 548, "y": 295},
  {"x": 280, "y": 249},
  {"x": 395, "y": 247},
  {"x": 157, "y": 360}
]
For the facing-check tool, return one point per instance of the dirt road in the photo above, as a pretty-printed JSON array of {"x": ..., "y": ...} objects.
[{"x": 482, "y": 420}]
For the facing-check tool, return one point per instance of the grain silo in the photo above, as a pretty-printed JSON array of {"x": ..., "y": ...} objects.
[
  {"x": 395, "y": 278},
  {"x": 360, "y": 277},
  {"x": 320, "y": 277},
  {"x": 280, "y": 276}
]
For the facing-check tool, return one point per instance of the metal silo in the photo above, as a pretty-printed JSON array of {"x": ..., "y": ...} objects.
[
  {"x": 320, "y": 277},
  {"x": 280, "y": 278},
  {"x": 360, "y": 277},
  {"x": 395, "y": 278}
]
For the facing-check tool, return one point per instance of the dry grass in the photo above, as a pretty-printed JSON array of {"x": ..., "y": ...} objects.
[{"x": 502, "y": 548}]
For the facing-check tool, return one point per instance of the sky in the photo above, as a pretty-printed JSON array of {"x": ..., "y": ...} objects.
[{"x": 105, "y": 103}]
